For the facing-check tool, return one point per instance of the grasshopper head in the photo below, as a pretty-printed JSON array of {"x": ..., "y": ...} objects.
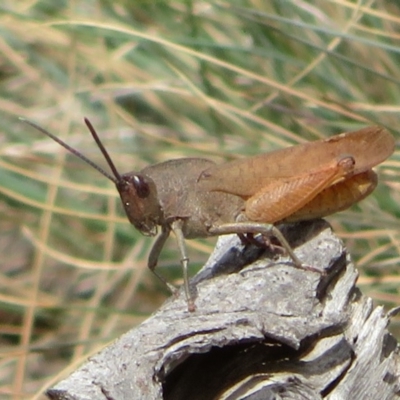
[{"x": 139, "y": 198}]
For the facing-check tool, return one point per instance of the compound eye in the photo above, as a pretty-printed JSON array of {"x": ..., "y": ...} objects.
[{"x": 141, "y": 186}]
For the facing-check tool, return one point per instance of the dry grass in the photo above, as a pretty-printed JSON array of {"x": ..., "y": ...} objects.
[{"x": 161, "y": 80}]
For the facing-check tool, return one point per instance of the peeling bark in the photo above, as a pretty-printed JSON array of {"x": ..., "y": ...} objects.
[{"x": 263, "y": 329}]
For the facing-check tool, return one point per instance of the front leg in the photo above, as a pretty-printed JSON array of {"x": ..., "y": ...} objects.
[
  {"x": 155, "y": 253},
  {"x": 177, "y": 229}
]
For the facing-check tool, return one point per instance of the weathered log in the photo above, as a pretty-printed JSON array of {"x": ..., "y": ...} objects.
[{"x": 263, "y": 329}]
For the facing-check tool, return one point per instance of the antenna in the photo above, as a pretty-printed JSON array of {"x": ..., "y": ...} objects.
[{"x": 116, "y": 178}]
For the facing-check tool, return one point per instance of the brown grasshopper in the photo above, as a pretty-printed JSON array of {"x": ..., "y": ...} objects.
[{"x": 194, "y": 197}]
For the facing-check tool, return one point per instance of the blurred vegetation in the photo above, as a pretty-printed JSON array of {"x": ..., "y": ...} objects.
[{"x": 162, "y": 80}]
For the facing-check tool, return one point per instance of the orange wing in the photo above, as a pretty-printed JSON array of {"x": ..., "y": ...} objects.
[{"x": 369, "y": 147}]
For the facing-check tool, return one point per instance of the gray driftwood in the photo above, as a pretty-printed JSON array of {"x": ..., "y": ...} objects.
[{"x": 262, "y": 330}]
